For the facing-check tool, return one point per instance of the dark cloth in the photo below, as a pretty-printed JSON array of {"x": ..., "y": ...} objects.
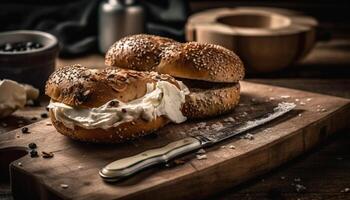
[{"x": 74, "y": 22}]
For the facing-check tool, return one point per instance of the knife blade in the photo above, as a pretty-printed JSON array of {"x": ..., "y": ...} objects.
[{"x": 125, "y": 167}]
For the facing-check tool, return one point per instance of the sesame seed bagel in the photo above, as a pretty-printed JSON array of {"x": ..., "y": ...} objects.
[
  {"x": 192, "y": 60},
  {"x": 83, "y": 89}
]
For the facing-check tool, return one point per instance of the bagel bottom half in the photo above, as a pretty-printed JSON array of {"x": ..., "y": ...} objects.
[
  {"x": 121, "y": 133},
  {"x": 211, "y": 100}
]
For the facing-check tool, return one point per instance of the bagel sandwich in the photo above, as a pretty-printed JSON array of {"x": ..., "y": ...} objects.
[
  {"x": 211, "y": 72},
  {"x": 112, "y": 105}
]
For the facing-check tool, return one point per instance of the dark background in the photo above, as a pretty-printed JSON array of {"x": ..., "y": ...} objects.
[{"x": 74, "y": 22}]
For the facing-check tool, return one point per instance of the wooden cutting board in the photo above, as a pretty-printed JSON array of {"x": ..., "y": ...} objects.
[{"x": 73, "y": 171}]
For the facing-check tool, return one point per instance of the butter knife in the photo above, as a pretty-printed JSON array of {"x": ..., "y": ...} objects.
[{"x": 126, "y": 167}]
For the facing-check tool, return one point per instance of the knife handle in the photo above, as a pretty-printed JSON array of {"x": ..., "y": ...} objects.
[{"x": 122, "y": 168}]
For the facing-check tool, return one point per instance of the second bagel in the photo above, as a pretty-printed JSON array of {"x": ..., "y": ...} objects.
[{"x": 211, "y": 72}]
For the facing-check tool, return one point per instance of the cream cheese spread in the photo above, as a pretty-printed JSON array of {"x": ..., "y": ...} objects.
[
  {"x": 161, "y": 99},
  {"x": 14, "y": 96}
]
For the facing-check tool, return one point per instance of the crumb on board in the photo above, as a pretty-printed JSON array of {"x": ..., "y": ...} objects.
[
  {"x": 321, "y": 110},
  {"x": 229, "y": 119},
  {"x": 217, "y": 126},
  {"x": 232, "y": 147},
  {"x": 285, "y": 96},
  {"x": 248, "y": 136},
  {"x": 201, "y": 151},
  {"x": 201, "y": 156},
  {"x": 202, "y": 124}
]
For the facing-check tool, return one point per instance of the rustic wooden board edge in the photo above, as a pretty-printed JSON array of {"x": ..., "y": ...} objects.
[{"x": 202, "y": 188}]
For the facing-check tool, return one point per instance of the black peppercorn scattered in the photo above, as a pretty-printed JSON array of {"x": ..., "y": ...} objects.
[
  {"x": 32, "y": 145},
  {"x": 33, "y": 153},
  {"x": 25, "y": 130},
  {"x": 123, "y": 110},
  {"x": 111, "y": 104},
  {"x": 44, "y": 115}
]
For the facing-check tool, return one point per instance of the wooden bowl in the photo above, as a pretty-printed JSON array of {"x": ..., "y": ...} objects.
[
  {"x": 266, "y": 39},
  {"x": 32, "y": 67}
]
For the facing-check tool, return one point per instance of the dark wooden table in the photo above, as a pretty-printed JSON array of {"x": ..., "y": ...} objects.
[{"x": 324, "y": 171}]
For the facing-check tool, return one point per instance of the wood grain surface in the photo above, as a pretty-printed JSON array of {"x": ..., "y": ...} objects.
[{"x": 76, "y": 164}]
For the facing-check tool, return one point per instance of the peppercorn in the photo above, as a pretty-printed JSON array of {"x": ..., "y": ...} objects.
[
  {"x": 113, "y": 103},
  {"x": 32, "y": 145},
  {"x": 25, "y": 130},
  {"x": 33, "y": 153}
]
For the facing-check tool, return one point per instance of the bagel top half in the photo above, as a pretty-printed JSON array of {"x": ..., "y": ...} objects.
[
  {"x": 82, "y": 87},
  {"x": 191, "y": 60}
]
